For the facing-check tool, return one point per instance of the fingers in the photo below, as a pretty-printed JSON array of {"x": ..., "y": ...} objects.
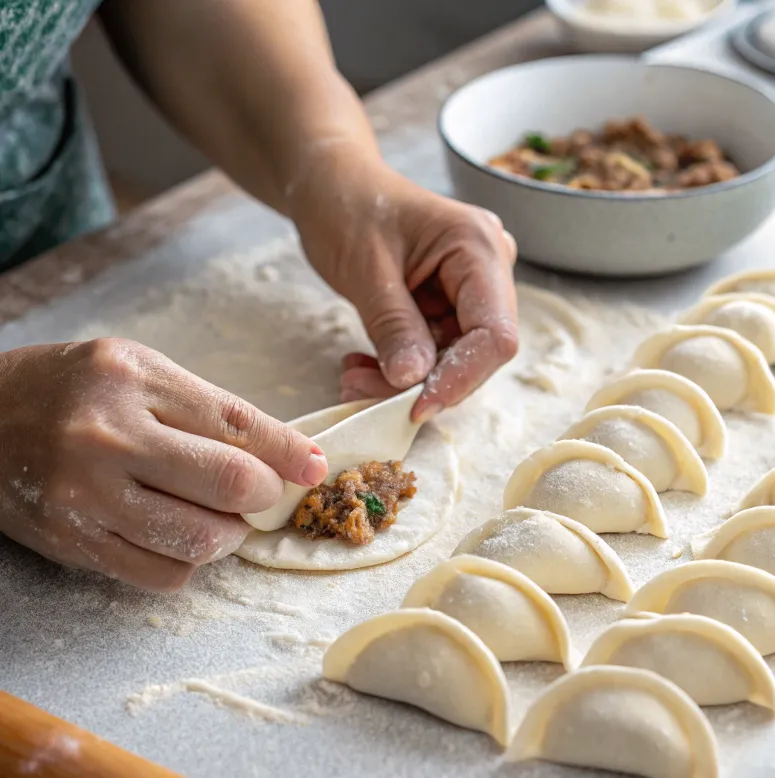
[
  {"x": 405, "y": 348},
  {"x": 182, "y": 401},
  {"x": 478, "y": 282},
  {"x": 356, "y": 359},
  {"x": 203, "y": 471},
  {"x": 362, "y": 383},
  {"x": 117, "y": 558},
  {"x": 174, "y": 528}
]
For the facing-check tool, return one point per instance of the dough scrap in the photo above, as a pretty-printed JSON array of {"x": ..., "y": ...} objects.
[
  {"x": 434, "y": 462},
  {"x": 515, "y": 619},
  {"x": 760, "y": 281},
  {"x": 559, "y": 554},
  {"x": 673, "y": 397},
  {"x": 739, "y": 596},
  {"x": 648, "y": 442},
  {"x": 590, "y": 484},
  {"x": 761, "y": 493},
  {"x": 747, "y": 538},
  {"x": 710, "y": 661},
  {"x": 621, "y": 719},
  {"x": 750, "y": 315},
  {"x": 734, "y": 373},
  {"x": 427, "y": 659}
]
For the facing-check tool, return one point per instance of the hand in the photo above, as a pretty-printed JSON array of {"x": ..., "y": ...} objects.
[
  {"x": 113, "y": 458},
  {"x": 431, "y": 278}
]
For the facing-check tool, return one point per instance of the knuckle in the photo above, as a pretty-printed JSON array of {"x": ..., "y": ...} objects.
[
  {"x": 387, "y": 322},
  {"x": 236, "y": 482},
  {"x": 114, "y": 358},
  {"x": 242, "y": 421}
]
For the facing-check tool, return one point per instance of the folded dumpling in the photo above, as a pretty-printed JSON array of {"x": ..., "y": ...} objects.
[
  {"x": 516, "y": 619},
  {"x": 590, "y": 484},
  {"x": 559, "y": 554},
  {"x": 750, "y": 315},
  {"x": 737, "y": 595},
  {"x": 621, "y": 719},
  {"x": 734, "y": 373},
  {"x": 747, "y": 538},
  {"x": 761, "y": 493},
  {"x": 650, "y": 443},
  {"x": 673, "y": 397},
  {"x": 761, "y": 280},
  {"x": 711, "y": 662},
  {"x": 426, "y": 659}
]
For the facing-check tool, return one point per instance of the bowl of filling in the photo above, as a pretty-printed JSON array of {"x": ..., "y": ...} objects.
[
  {"x": 630, "y": 26},
  {"x": 612, "y": 166}
]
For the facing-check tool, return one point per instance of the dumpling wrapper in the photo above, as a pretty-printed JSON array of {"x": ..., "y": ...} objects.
[
  {"x": 434, "y": 462},
  {"x": 739, "y": 596},
  {"x": 761, "y": 493},
  {"x": 673, "y": 397},
  {"x": 747, "y": 538},
  {"x": 427, "y": 659},
  {"x": 752, "y": 316},
  {"x": 590, "y": 484},
  {"x": 558, "y": 554},
  {"x": 354, "y": 433},
  {"x": 761, "y": 281},
  {"x": 515, "y": 619},
  {"x": 711, "y": 662},
  {"x": 621, "y": 719},
  {"x": 650, "y": 443},
  {"x": 734, "y": 373}
]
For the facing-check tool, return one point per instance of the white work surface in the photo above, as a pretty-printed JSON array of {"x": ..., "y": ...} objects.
[{"x": 228, "y": 303}]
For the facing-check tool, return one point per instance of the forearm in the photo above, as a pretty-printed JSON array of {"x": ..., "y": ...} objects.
[{"x": 252, "y": 83}]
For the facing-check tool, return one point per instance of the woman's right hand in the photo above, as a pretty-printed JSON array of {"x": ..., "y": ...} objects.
[{"x": 115, "y": 459}]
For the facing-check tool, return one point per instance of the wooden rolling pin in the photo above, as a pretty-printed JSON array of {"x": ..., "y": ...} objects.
[{"x": 33, "y": 742}]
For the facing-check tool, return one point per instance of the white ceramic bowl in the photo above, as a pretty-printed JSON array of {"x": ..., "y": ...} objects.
[
  {"x": 611, "y": 233},
  {"x": 596, "y": 33}
]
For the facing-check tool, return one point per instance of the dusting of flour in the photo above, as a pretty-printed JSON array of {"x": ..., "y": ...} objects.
[{"x": 239, "y": 651}]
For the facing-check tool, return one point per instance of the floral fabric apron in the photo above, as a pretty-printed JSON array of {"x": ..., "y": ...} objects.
[{"x": 52, "y": 185}]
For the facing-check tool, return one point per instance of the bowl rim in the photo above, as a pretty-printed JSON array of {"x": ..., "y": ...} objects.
[
  {"x": 617, "y": 28},
  {"x": 633, "y": 197}
]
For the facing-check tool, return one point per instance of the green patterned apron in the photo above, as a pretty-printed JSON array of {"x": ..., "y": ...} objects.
[{"x": 52, "y": 185}]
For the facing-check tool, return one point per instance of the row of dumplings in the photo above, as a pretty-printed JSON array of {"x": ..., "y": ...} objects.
[{"x": 694, "y": 635}]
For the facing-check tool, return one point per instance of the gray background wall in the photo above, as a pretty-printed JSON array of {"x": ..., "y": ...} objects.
[{"x": 374, "y": 40}]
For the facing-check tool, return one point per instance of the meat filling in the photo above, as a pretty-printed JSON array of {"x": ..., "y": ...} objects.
[
  {"x": 357, "y": 505},
  {"x": 625, "y": 156}
]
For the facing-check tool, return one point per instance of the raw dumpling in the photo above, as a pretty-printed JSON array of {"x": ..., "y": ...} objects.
[
  {"x": 516, "y": 620},
  {"x": 427, "y": 659},
  {"x": 434, "y": 462},
  {"x": 737, "y": 595},
  {"x": 747, "y": 538},
  {"x": 751, "y": 316},
  {"x": 761, "y": 493},
  {"x": 555, "y": 552},
  {"x": 621, "y": 719},
  {"x": 588, "y": 483},
  {"x": 761, "y": 281},
  {"x": 711, "y": 662},
  {"x": 673, "y": 397},
  {"x": 654, "y": 446},
  {"x": 732, "y": 371}
]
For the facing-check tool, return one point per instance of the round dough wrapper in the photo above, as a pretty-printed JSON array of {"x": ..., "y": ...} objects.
[
  {"x": 434, "y": 462},
  {"x": 761, "y": 281}
]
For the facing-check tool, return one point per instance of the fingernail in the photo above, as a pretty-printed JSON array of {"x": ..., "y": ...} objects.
[
  {"x": 315, "y": 470},
  {"x": 315, "y": 449},
  {"x": 428, "y": 412},
  {"x": 407, "y": 367},
  {"x": 350, "y": 395}
]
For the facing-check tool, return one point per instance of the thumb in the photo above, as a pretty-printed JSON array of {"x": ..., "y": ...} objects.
[{"x": 406, "y": 351}]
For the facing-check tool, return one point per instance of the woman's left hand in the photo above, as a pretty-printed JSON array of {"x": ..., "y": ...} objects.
[{"x": 430, "y": 277}]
